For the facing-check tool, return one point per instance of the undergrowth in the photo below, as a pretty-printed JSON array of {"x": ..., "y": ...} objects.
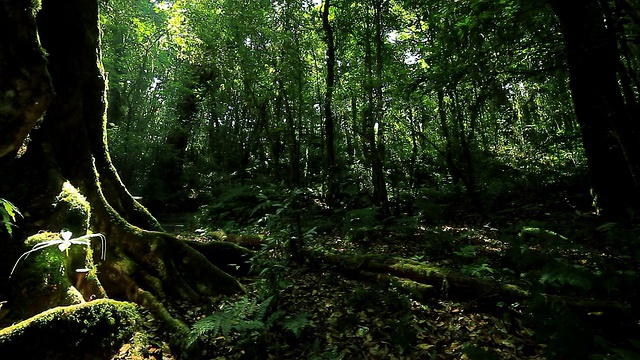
[{"x": 546, "y": 243}]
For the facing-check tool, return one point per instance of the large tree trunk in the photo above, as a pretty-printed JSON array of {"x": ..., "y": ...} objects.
[
  {"x": 609, "y": 131},
  {"x": 25, "y": 87},
  {"x": 143, "y": 264}
]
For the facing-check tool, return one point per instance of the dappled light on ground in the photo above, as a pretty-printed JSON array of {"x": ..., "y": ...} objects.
[{"x": 294, "y": 311}]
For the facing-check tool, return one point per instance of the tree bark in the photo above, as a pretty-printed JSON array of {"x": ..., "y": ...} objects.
[
  {"x": 143, "y": 264},
  {"x": 373, "y": 131},
  {"x": 25, "y": 85},
  {"x": 329, "y": 127},
  {"x": 378, "y": 148},
  {"x": 609, "y": 131}
]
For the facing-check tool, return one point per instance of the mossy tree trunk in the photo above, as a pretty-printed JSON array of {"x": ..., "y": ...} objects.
[{"x": 143, "y": 264}]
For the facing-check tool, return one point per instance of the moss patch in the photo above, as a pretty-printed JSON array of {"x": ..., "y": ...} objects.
[
  {"x": 94, "y": 330},
  {"x": 48, "y": 277},
  {"x": 71, "y": 211}
]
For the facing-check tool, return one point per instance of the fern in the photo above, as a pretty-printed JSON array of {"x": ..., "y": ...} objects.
[
  {"x": 213, "y": 324},
  {"x": 247, "y": 318},
  {"x": 243, "y": 316},
  {"x": 541, "y": 234},
  {"x": 562, "y": 275},
  {"x": 296, "y": 323}
]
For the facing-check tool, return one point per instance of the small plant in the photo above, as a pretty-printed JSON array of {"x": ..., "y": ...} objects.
[
  {"x": 468, "y": 251},
  {"x": 64, "y": 244},
  {"x": 249, "y": 318},
  {"x": 242, "y": 316},
  {"x": 8, "y": 211},
  {"x": 479, "y": 268}
]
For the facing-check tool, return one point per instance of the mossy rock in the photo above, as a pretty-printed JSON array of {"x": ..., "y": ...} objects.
[
  {"x": 48, "y": 278},
  {"x": 92, "y": 330}
]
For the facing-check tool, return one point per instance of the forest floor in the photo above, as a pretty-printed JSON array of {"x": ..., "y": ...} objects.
[{"x": 297, "y": 311}]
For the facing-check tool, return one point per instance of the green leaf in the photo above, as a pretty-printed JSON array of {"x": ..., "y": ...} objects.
[
  {"x": 9, "y": 213},
  {"x": 297, "y": 323}
]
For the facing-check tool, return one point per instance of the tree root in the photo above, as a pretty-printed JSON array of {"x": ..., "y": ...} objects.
[{"x": 228, "y": 257}]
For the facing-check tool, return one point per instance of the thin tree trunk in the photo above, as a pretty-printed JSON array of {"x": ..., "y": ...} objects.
[
  {"x": 448, "y": 153},
  {"x": 372, "y": 120},
  {"x": 329, "y": 126},
  {"x": 379, "y": 179}
]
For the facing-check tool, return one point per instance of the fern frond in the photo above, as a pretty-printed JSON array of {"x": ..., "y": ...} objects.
[
  {"x": 242, "y": 316},
  {"x": 297, "y": 323}
]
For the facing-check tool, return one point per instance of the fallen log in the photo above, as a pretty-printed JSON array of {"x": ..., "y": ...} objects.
[{"x": 447, "y": 283}]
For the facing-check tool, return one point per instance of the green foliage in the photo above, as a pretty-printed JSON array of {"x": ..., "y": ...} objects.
[
  {"x": 467, "y": 251},
  {"x": 539, "y": 255},
  {"x": 629, "y": 350},
  {"x": 359, "y": 223},
  {"x": 556, "y": 264},
  {"x": 249, "y": 319},
  {"x": 537, "y": 235},
  {"x": 624, "y": 236},
  {"x": 278, "y": 208},
  {"x": 453, "y": 104},
  {"x": 271, "y": 207},
  {"x": 561, "y": 275},
  {"x": 404, "y": 333},
  {"x": 480, "y": 268},
  {"x": 242, "y": 316},
  {"x": 9, "y": 213},
  {"x": 222, "y": 94},
  {"x": 235, "y": 206}
]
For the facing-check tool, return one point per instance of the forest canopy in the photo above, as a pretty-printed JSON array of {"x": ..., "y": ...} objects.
[{"x": 411, "y": 96}]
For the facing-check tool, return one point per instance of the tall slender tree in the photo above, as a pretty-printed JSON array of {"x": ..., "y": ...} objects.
[{"x": 329, "y": 126}]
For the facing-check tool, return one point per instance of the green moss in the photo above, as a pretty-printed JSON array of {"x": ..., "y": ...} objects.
[
  {"x": 43, "y": 267},
  {"x": 50, "y": 260},
  {"x": 97, "y": 328},
  {"x": 71, "y": 211},
  {"x": 36, "y": 5},
  {"x": 48, "y": 277},
  {"x": 73, "y": 296},
  {"x": 41, "y": 237}
]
